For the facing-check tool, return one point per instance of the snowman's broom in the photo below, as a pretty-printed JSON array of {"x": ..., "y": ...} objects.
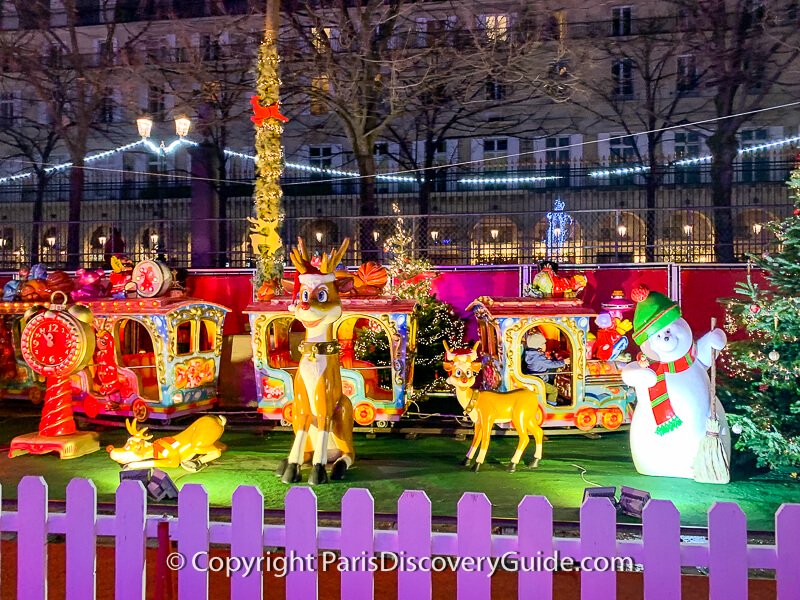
[{"x": 711, "y": 464}]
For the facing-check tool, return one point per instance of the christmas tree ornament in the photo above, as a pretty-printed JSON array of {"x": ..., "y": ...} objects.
[
  {"x": 754, "y": 309},
  {"x": 774, "y": 356}
]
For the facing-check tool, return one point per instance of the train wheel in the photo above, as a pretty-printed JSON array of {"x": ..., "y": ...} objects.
[
  {"x": 287, "y": 414},
  {"x": 364, "y": 414},
  {"x": 35, "y": 395},
  {"x": 382, "y": 424},
  {"x": 612, "y": 418},
  {"x": 140, "y": 410},
  {"x": 586, "y": 419}
]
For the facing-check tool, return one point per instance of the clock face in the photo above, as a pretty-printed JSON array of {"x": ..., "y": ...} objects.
[{"x": 53, "y": 344}]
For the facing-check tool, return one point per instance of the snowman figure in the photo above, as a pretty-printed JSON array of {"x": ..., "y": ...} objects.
[{"x": 672, "y": 391}]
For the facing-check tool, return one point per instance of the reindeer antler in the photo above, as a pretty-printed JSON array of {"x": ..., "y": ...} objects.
[
  {"x": 299, "y": 256},
  {"x": 330, "y": 260},
  {"x": 142, "y": 434}
]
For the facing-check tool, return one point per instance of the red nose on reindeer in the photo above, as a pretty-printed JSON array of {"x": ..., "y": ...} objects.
[
  {"x": 109, "y": 448},
  {"x": 305, "y": 306}
]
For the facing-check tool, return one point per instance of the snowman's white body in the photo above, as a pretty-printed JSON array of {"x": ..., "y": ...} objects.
[{"x": 673, "y": 454}]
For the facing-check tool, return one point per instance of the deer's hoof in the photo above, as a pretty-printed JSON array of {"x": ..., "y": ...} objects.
[
  {"x": 467, "y": 462},
  {"x": 338, "y": 470},
  {"x": 512, "y": 467},
  {"x": 318, "y": 475},
  {"x": 534, "y": 464},
  {"x": 476, "y": 467},
  {"x": 193, "y": 466},
  {"x": 281, "y": 467},
  {"x": 291, "y": 474}
]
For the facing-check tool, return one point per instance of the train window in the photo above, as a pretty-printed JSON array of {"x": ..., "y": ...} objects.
[
  {"x": 208, "y": 335},
  {"x": 365, "y": 350},
  {"x": 278, "y": 347},
  {"x": 184, "y": 342},
  {"x": 546, "y": 354},
  {"x": 135, "y": 348},
  {"x": 133, "y": 338}
]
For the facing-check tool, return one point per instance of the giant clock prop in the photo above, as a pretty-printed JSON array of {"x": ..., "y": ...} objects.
[{"x": 57, "y": 342}]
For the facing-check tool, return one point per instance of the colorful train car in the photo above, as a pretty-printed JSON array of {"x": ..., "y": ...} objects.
[
  {"x": 590, "y": 392},
  {"x": 155, "y": 358},
  {"x": 379, "y": 392},
  {"x": 17, "y": 379}
]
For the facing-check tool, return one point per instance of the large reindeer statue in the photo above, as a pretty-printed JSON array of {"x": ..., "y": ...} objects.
[
  {"x": 322, "y": 416},
  {"x": 521, "y": 408}
]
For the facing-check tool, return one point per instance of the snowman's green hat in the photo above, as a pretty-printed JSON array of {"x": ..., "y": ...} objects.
[{"x": 654, "y": 311}]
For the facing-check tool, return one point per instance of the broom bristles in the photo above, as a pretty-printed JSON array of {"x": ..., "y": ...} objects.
[{"x": 711, "y": 464}]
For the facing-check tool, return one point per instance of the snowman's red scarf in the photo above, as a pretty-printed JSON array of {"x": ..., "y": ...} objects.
[{"x": 666, "y": 419}]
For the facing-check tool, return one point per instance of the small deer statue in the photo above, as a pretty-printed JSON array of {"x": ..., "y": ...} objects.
[
  {"x": 322, "y": 416},
  {"x": 193, "y": 448},
  {"x": 521, "y": 408}
]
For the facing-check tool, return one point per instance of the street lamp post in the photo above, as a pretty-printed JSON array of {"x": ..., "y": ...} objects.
[{"x": 144, "y": 125}]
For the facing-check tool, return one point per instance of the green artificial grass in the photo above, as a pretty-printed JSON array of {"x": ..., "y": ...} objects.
[{"x": 390, "y": 464}]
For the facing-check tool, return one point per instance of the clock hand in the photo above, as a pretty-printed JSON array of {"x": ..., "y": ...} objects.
[{"x": 49, "y": 339}]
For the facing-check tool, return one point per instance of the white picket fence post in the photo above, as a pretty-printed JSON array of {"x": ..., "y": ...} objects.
[{"x": 660, "y": 550}]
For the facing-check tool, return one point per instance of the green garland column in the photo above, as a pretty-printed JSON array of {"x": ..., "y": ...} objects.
[{"x": 265, "y": 227}]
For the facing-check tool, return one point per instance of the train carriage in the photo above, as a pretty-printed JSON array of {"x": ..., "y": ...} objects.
[
  {"x": 590, "y": 392},
  {"x": 17, "y": 379},
  {"x": 379, "y": 392},
  {"x": 156, "y": 358}
]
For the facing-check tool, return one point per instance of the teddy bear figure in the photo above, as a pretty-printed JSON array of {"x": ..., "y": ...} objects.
[{"x": 672, "y": 391}]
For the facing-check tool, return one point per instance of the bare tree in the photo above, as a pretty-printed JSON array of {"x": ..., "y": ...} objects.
[
  {"x": 640, "y": 87},
  {"x": 213, "y": 81},
  {"x": 33, "y": 144},
  {"x": 509, "y": 72},
  {"x": 73, "y": 70},
  {"x": 407, "y": 69},
  {"x": 749, "y": 52}
]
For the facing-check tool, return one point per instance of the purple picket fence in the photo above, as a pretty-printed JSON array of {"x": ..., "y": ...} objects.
[{"x": 474, "y": 551}]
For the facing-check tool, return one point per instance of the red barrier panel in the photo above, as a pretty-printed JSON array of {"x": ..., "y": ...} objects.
[
  {"x": 232, "y": 290},
  {"x": 703, "y": 287}
]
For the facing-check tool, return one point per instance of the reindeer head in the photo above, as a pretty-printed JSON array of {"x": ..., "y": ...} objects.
[
  {"x": 138, "y": 447},
  {"x": 462, "y": 365},
  {"x": 317, "y": 302}
]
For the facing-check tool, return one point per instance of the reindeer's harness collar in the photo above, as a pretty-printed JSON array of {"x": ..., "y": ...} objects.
[
  {"x": 473, "y": 400},
  {"x": 312, "y": 349}
]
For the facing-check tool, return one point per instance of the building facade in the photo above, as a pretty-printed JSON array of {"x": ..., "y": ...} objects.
[{"x": 608, "y": 109}]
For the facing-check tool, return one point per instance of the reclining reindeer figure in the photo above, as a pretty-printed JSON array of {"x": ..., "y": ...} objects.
[
  {"x": 322, "y": 416},
  {"x": 522, "y": 408},
  {"x": 200, "y": 439}
]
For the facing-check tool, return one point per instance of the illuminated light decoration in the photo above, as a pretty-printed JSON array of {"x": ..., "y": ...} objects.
[
  {"x": 559, "y": 227},
  {"x": 524, "y": 179},
  {"x": 63, "y": 166},
  {"x": 696, "y": 160},
  {"x": 621, "y": 171}
]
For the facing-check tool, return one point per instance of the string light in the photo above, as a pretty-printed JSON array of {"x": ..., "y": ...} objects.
[
  {"x": 493, "y": 180},
  {"x": 175, "y": 145},
  {"x": 696, "y": 160}
]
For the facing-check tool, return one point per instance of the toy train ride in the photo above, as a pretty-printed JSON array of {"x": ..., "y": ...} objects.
[
  {"x": 158, "y": 352},
  {"x": 589, "y": 391}
]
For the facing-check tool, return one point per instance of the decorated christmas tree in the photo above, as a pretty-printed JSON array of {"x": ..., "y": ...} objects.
[
  {"x": 761, "y": 384},
  {"x": 411, "y": 278}
]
